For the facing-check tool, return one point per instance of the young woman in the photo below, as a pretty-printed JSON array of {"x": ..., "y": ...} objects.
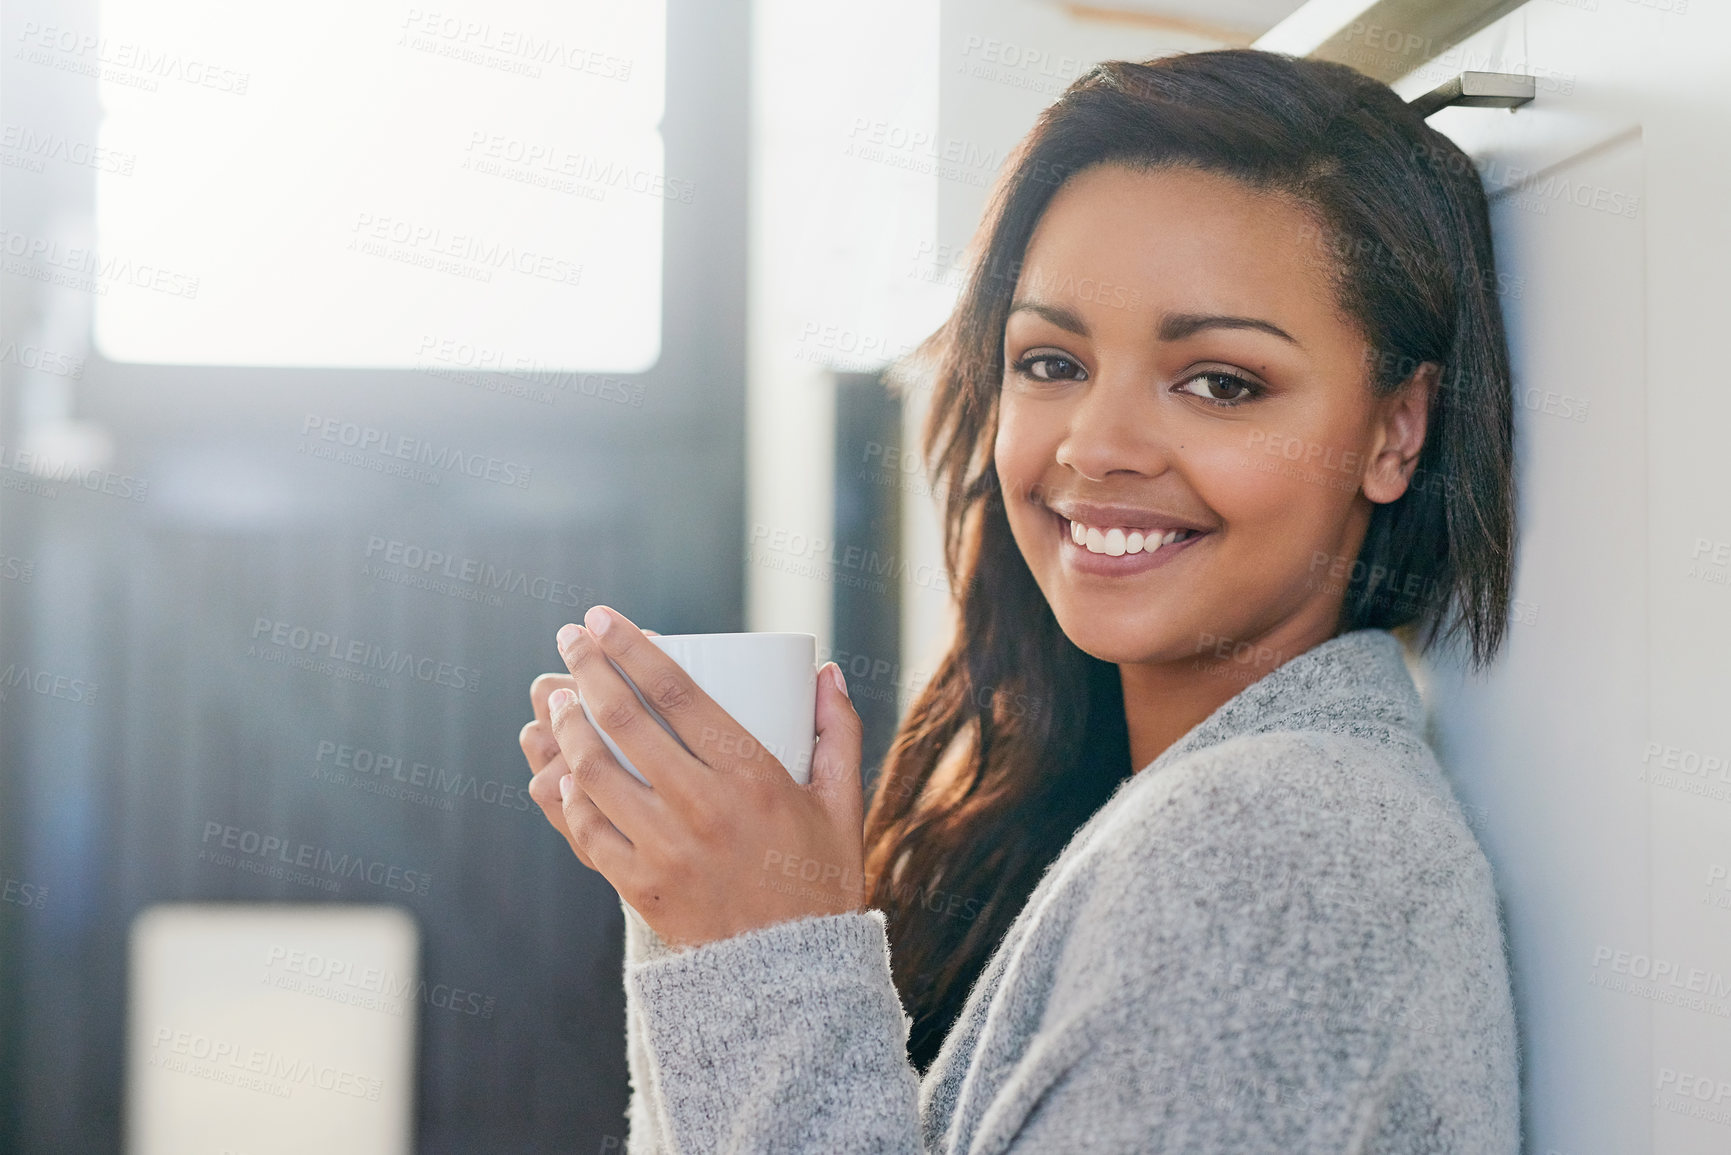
[{"x": 1159, "y": 860}]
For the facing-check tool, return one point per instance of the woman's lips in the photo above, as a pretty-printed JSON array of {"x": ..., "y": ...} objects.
[{"x": 1081, "y": 560}]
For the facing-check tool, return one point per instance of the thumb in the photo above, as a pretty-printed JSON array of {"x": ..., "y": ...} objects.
[{"x": 835, "y": 759}]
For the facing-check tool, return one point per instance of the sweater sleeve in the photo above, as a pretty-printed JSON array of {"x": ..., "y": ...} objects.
[
  {"x": 647, "y": 1127},
  {"x": 789, "y": 1038}
]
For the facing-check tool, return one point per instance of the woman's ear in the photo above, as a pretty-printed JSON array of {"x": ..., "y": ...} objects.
[{"x": 1402, "y": 418}]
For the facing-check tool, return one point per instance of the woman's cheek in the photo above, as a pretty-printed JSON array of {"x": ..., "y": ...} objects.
[
  {"x": 1280, "y": 513},
  {"x": 1271, "y": 509},
  {"x": 1023, "y": 448},
  {"x": 1238, "y": 484}
]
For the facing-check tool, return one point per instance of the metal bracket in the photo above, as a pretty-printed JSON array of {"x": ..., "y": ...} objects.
[{"x": 1477, "y": 90}]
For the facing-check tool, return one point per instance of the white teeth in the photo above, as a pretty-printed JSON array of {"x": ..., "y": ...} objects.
[{"x": 1116, "y": 542}]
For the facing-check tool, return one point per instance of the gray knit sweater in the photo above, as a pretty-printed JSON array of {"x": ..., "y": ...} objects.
[{"x": 1280, "y": 936}]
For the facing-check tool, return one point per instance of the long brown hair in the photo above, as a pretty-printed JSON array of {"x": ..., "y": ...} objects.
[{"x": 1031, "y": 729}]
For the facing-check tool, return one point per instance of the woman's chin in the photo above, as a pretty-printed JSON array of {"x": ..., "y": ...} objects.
[{"x": 1122, "y": 641}]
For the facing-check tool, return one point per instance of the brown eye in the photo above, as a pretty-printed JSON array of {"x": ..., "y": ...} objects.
[
  {"x": 1224, "y": 389},
  {"x": 1064, "y": 367}
]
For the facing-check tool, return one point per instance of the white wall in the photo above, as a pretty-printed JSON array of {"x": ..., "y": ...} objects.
[{"x": 1597, "y": 753}]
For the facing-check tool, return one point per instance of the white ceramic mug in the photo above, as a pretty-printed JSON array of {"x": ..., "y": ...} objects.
[{"x": 767, "y": 682}]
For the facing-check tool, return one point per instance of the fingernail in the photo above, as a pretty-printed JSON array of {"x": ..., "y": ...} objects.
[
  {"x": 597, "y": 619},
  {"x": 565, "y": 788},
  {"x": 561, "y": 698},
  {"x": 840, "y": 682},
  {"x": 567, "y": 635}
]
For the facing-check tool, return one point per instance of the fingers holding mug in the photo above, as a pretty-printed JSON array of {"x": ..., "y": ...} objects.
[
  {"x": 546, "y": 768},
  {"x": 546, "y": 762}
]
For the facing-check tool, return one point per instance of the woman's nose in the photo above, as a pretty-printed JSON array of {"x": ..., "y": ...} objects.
[{"x": 1113, "y": 426}]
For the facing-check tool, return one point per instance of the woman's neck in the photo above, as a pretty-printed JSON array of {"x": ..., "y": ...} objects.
[{"x": 1163, "y": 701}]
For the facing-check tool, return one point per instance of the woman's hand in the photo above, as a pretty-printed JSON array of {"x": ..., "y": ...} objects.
[{"x": 723, "y": 840}]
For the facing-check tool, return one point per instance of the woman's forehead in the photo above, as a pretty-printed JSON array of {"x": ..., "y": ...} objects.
[
  {"x": 1127, "y": 221},
  {"x": 1177, "y": 240}
]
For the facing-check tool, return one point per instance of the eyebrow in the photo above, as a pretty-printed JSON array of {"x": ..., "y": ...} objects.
[
  {"x": 1173, "y": 326},
  {"x": 1177, "y": 326}
]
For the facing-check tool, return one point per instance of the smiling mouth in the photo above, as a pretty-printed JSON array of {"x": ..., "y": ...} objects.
[
  {"x": 1116, "y": 541},
  {"x": 1121, "y": 549}
]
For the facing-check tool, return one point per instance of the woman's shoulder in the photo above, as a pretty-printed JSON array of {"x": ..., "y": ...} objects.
[
  {"x": 1340, "y": 765},
  {"x": 1302, "y": 861},
  {"x": 1354, "y": 815},
  {"x": 1283, "y": 908}
]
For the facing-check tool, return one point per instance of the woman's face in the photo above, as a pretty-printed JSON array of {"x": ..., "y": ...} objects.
[{"x": 1174, "y": 350}]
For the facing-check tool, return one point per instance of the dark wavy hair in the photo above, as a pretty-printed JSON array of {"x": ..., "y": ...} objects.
[{"x": 1030, "y": 729}]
